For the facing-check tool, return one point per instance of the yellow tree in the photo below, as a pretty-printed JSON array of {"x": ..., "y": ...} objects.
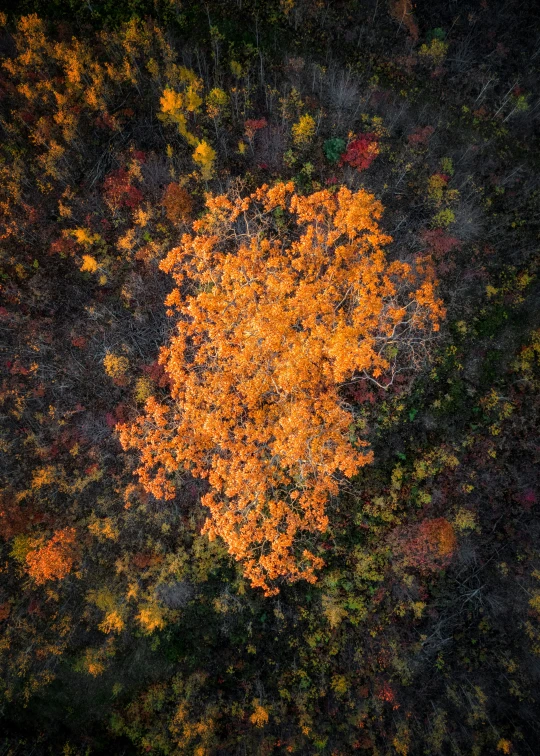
[{"x": 280, "y": 300}]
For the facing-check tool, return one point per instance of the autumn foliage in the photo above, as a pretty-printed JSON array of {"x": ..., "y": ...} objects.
[
  {"x": 291, "y": 401},
  {"x": 119, "y": 192},
  {"x": 361, "y": 152},
  {"x": 177, "y": 203},
  {"x": 289, "y": 298},
  {"x": 429, "y": 546},
  {"x": 53, "y": 560}
]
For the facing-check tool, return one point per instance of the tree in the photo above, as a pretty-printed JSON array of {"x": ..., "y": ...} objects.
[
  {"x": 53, "y": 560},
  {"x": 290, "y": 297},
  {"x": 361, "y": 152},
  {"x": 303, "y": 130},
  {"x": 428, "y": 546},
  {"x": 177, "y": 203}
]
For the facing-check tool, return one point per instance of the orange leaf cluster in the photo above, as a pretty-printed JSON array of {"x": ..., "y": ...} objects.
[
  {"x": 402, "y": 11},
  {"x": 177, "y": 203},
  {"x": 439, "y": 536},
  {"x": 54, "y": 560},
  {"x": 430, "y": 546},
  {"x": 280, "y": 300}
]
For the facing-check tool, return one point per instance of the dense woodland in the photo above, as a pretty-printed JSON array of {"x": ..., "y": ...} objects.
[{"x": 269, "y": 372}]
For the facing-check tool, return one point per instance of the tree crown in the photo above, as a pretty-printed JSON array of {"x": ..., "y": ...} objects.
[{"x": 280, "y": 299}]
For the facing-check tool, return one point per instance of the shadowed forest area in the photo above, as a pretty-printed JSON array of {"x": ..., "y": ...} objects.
[{"x": 269, "y": 372}]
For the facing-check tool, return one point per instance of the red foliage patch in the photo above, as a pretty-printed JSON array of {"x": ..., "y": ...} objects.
[
  {"x": 361, "y": 152},
  {"x": 420, "y": 136},
  {"x": 527, "y": 499},
  {"x": 439, "y": 242},
  {"x": 386, "y": 693},
  {"x": 105, "y": 121},
  {"x": 253, "y": 125},
  {"x": 429, "y": 546},
  {"x": 16, "y": 519},
  {"x": 157, "y": 374},
  {"x": 119, "y": 192},
  {"x": 63, "y": 246}
]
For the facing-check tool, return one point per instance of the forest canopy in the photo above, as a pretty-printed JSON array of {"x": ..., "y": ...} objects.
[{"x": 269, "y": 371}]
